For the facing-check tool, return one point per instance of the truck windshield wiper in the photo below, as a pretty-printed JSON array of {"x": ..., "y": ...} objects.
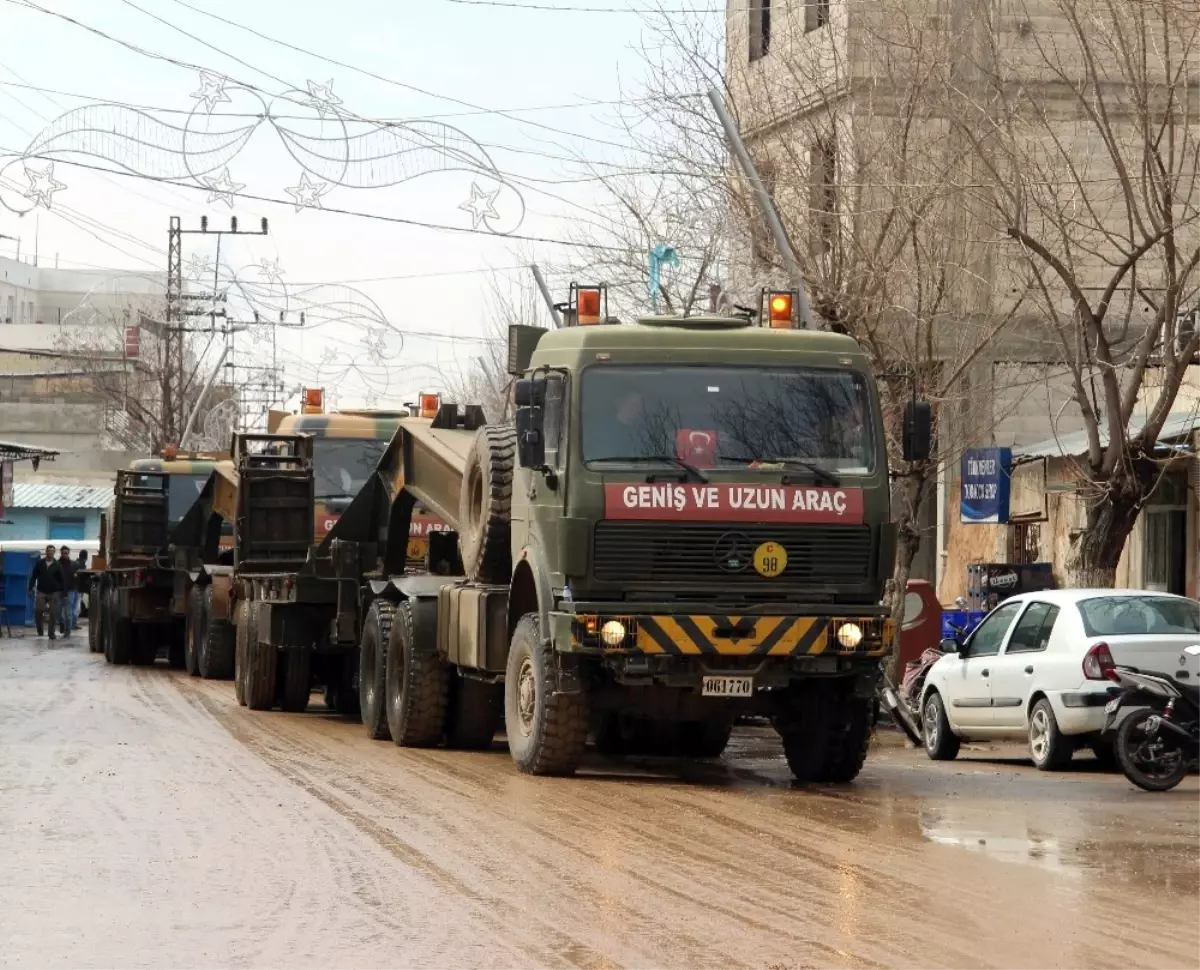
[
  {"x": 666, "y": 459},
  {"x": 821, "y": 474}
]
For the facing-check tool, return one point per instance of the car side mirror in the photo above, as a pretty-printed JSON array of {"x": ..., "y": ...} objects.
[{"x": 950, "y": 645}]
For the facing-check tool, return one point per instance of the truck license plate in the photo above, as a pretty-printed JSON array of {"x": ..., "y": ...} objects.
[{"x": 728, "y": 687}]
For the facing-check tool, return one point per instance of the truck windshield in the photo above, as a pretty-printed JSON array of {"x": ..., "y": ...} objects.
[
  {"x": 182, "y": 492},
  {"x": 341, "y": 466},
  {"x": 729, "y": 416}
]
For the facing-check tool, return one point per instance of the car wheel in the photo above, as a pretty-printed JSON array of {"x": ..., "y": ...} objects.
[
  {"x": 1048, "y": 747},
  {"x": 941, "y": 743}
]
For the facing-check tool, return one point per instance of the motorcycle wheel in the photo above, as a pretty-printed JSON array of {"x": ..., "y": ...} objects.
[{"x": 1155, "y": 763}]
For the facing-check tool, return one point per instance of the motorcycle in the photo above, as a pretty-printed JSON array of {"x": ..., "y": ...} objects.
[{"x": 1157, "y": 744}]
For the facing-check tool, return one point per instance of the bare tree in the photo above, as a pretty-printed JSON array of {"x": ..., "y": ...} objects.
[{"x": 1089, "y": 136}]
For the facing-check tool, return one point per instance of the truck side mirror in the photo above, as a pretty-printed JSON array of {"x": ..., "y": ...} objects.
[
  {"x": 531, "y": 442},
  {"x": 918, "y": 431},
  {"x": 529, "y": 393}
]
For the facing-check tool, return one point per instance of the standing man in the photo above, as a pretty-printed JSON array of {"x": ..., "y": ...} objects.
[
  {"x": 70, "y": 596},
  {"x": 47, "y": 580},
  {"x": 77, "y": 590}
]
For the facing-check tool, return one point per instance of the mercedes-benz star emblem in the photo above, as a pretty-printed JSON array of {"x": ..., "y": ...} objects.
[{"x": 733, "y": 552}]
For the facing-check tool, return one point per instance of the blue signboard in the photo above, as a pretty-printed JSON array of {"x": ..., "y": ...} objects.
[{"x": 984, "y": 480}]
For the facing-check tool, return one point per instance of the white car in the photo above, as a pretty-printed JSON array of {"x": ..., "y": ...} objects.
[{"x": 1038, "y": 667}]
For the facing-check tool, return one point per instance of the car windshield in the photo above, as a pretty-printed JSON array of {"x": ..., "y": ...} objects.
[
  {"x": 1114, "y": 616},
  {"x": 729, "y": 416},
  {"x": 341, "y": 466}
]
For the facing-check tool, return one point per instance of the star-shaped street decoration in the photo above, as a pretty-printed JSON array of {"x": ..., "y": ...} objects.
[
  {"x": 199, "y": 267},
  {"x": 307, "y": 193},
  {"x": 42, "y": 185},
  {"x": 322, "y": 98},
  {"x": 223, "y": 188},
  {"x": 481, "y": 205},
  {"x": 270, "y": 270},
  {"x": 212, "y": 90}
]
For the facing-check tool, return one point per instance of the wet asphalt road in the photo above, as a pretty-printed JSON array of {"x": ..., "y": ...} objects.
[{"x": 146, "y": 820}]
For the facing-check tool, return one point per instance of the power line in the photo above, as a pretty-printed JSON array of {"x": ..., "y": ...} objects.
[{"x": 641, "y": 12}]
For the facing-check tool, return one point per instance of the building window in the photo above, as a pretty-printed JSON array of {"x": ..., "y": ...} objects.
[
  {"x": 822, "y": 200},
  {"x": 760, "y": 28},
  {"x": 64, "y": 528},
  {"x": 1024, "y": 543},
  {"x": 1164, "y": 537},
  {"x": 763, "y": 244},
  {"x": 8, "y": 316},
  {"x": 816, "y": 15}
]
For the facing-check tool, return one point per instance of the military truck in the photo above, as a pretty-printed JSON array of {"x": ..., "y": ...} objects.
[
  {"x": 131, "y": 583},
  {"x": 689, "y": 522}
]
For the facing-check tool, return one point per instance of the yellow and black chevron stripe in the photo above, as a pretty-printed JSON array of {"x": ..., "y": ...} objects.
[{"x": 757, "y": 636}]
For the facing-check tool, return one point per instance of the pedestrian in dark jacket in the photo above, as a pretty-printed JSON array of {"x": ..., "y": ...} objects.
[
  {"x": 70, "y": 596},
  {"x": 48, "y": 582}
]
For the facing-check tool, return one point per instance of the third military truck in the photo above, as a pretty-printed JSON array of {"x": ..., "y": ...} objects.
[{"x": 687, "y": 521}]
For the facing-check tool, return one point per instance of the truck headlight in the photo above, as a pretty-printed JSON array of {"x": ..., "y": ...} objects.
[
  {"x": 850, "y": 635},
  {"x": 612, "y": 633}
]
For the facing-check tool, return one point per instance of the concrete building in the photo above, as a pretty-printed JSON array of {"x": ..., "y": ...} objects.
[
  {"x": 844, "y": 136},
  {"x": 58, "y": 328},
  {"x": 54, "y": 513}
]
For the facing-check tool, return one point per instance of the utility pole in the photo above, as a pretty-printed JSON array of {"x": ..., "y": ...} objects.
[
  {"x": 541, "y": 284},
  {"x": 173, "y": 331},
  {"x": 766, "y": 206}
]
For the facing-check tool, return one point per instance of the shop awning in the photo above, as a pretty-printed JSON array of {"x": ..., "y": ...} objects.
[{"x": 1176, "y": 429}]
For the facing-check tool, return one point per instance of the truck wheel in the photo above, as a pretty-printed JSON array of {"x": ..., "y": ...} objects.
[
  {"x": 262, "y": 661},
  {"x": 95, "y": 641},
  {"x": 214, "y": 655},
  {"x": 372, "y": 669},
  {"x": 476, "y": 710},
  {"x": 241, "y": 652},
  {"x": 705, "y": 739},
  {"x": 416, "y": 679},
  {"x": 483, "y": 507},
  {"x": 850, "y": 737},
  {"x": 805, "y": 731},
  {"x": 177, "y": 644},
  {"x": 546, "y": 731},
  {"x": 144, "y": 649},
  {"x": 295, "y": 686},
  {"x": 120, "y": 632},
  {"x": 195, "y": 630}
]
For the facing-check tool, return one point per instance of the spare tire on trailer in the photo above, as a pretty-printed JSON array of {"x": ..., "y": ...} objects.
[{"x": 484, "y": 504}]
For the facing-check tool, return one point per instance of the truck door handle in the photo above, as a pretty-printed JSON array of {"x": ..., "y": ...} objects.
[{"x": 1029, "y": 670}]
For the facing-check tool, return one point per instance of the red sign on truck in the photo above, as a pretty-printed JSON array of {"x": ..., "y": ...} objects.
[{"x": 728, "y": 502}]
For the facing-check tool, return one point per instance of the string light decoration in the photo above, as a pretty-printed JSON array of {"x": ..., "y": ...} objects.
[{"x": 333, "y": 148}]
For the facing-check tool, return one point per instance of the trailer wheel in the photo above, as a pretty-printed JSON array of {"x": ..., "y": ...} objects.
[
  {"x": 547, "y": 731},
  {"x": 120, "y": 632},
  {"x": 806, "y": 731},
  {"x": 295, "y": 685},
  {"x": 483, "y": 507},
  {"x": 177, "y": 643},
  {"x": 214, "y": 654},
  {"x": 705, "y": 739},
  {"x": 417, "y": 681},
  {"x": 476, "y": 711},
  {"x": 144, "y": 650},
  {"x": 195, "y": 631},
  {"x": 372, "y": 669},
  {"x": 262, "y": 662},
  {"x": 241, "y": 653}
]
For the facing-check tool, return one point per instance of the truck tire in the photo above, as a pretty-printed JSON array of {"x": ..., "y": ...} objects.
[
  {"x": 476, "y": 710},
  {"x": 372, "y": 669},
  {"x": 241, "y": 652},
  {"x": 177, "y": 643},
  {"x": 195, "y": 630},
  {"x": 547, "y": 731},
  {"x": 262, "y": 660},
  {"x": 295, "y": 680},
  {"x": 95, "y": 640},
  {"x": 705, "y": 739},
  {"x": 214, "y": 655},
  {"x": 120, "y": 633},
  {"x": 144, "y": 649},
  {"x": 806, "y": 731},
  {"x": 484, "y": 504},
  {"x": 416, "y": 679},
  {"x": 850, "y": 737}
]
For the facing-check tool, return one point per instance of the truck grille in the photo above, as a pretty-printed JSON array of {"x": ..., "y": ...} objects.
[{"x": 690, "y": 553}]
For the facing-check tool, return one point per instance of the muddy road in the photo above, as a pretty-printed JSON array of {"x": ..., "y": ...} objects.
[{"x": 146, "y": 820}]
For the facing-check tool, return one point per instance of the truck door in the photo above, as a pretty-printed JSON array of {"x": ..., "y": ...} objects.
[{"x": 539, "y": 522}]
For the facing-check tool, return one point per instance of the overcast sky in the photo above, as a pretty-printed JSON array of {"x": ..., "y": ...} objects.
[{"x": 491, "y": 57}]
